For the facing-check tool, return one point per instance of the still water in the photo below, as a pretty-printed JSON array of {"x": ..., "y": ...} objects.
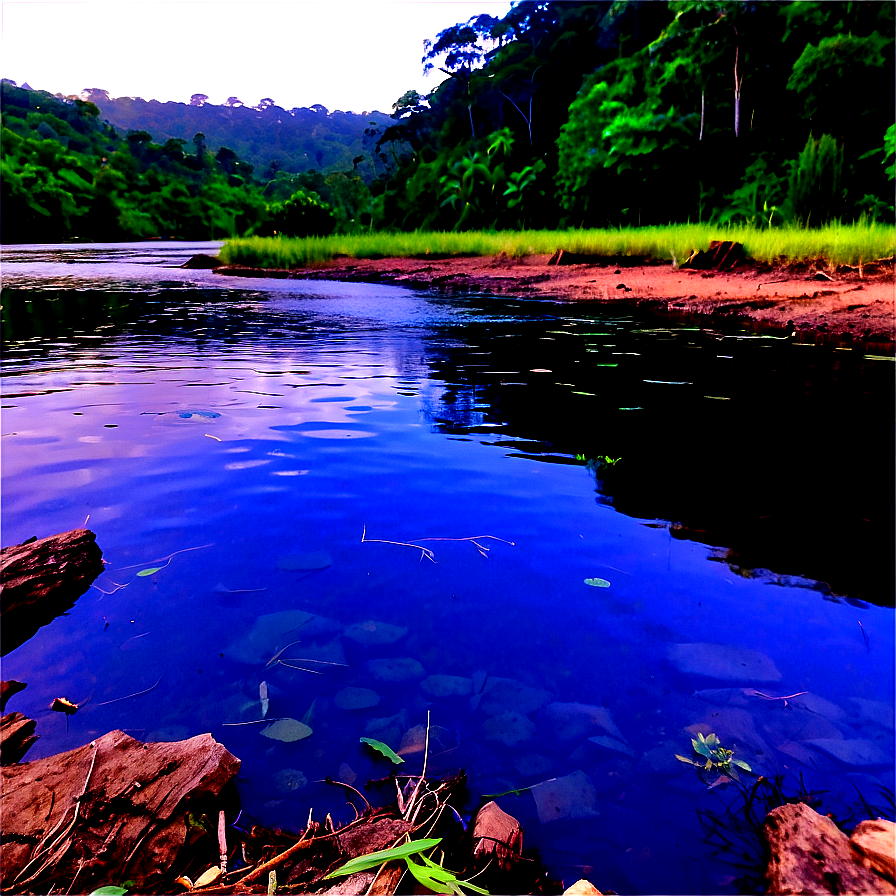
[{"x": 637, "y": 531}]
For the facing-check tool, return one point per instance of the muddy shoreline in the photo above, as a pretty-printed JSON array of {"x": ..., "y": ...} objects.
[{"x": 843, "y": 307}]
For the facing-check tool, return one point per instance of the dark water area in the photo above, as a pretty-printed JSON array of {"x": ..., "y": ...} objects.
[{"x": 728, "y": 497}]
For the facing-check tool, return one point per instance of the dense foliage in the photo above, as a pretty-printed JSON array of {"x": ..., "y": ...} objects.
[
  {"x": 66, "y": 173},
  {"x": 560, "y": 114},
  {"x": 631, "y": 112},
  {"x": 268, "y": 136}
]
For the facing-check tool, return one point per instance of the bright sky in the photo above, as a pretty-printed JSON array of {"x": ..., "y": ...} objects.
[{"x": 351, "y": 55}]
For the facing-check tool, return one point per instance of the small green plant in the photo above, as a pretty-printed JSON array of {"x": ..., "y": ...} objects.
[
  {"x": 431, "y": 875},
  {"x": 713, "y": 759},
  {"x": 598, "y": 464}
]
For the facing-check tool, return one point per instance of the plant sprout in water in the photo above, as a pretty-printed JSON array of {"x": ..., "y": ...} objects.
[{"x": 713, "y": 759}]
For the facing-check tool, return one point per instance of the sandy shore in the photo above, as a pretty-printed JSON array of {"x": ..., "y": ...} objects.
[{"x": 846, "y": 307}]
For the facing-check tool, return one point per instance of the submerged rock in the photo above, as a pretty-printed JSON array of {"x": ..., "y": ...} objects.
[
  {"x": 509, "y": 728},
  {"x": 564, "y": 799},
  {"x": 436, "y": 687},
  {"x": 501, "y": 695},
  {"x": 288, "y": 780},
  {"x": 374, "y": 634},
  {"x": 277, "y": 631},
  {"x": 854, "y": 752},
  {"x": 722, "y": 662},
  {"x": 356, "y": 698},
  {"x": 396, "y": 670},
  {"x": 566, "y": 723}
]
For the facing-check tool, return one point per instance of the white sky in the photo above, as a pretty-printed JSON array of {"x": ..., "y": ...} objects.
[{"x": 346, "y": 54}]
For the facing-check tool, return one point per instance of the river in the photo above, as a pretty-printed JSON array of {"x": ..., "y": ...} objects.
[{"x": 634, "y": 532}]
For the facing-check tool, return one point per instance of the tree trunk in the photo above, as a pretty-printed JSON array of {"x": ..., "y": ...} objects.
[{"x": 39, "y": 580}]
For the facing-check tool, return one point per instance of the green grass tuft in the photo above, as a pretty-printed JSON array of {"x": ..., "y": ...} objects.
[{"x": 833, "y": 244}]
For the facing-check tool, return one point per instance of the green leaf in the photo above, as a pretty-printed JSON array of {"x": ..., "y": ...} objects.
[
  {"x": 741, "y": 764},
  {"x": 597, "y": 583},
  {"x": 110, "y": 890},
  {"x": 448, "y": 877},
  {"x": 150, "y": 571},
  {"x": 712, "y": 740},
  {"x": 375, "y": 859},
  {"x": 427, "y": 880},
  {"x": 380, "y": 747},
  {"x": 685, "y": 759},
  {"x": 700, "y": 747}
]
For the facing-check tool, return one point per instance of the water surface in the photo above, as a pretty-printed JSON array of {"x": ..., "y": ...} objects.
[{"x": 274, "y": 447}]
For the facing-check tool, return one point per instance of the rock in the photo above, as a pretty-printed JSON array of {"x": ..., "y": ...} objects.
[
  {"x": 9, "y": 689},
  {"x": 854, "y": 752},
  {"x": 202, "y": 262},
  {"x": 388, "y": 729},
  {"x": 347, "y": 774},
  {"x": 414, "y": 741},
  {"x": 89, "y": 802},
  {"x": 582, "y": 888},
  {"x": 437, "y": 687},
  {"x": 721, "y": 256},
  {"x": 610, "y": 743},
  {"x": 42, "y": 578},
  {"x": 288, "y": 780},
  {"x": 356, "y": 698},
  {"x": 809, "y": 854},
  {"x": 564, "y": 799},
  {"x": 287, "y": 731},
  {"x": 566, "y": 723},
  {"x": 396, "y": 670},
  {"x": 497, "y": 837},
  {"x": 735, "y": 729},
  {"x": 374, "y": 634},
  {"x": 276, "y": 632},
  {"x": 875, "y": 841},
  {"x": 509, "y": 728},
  {"x": 16, "y": 737},
  {"x": 722, "y": 662},
  {"x": 502, "y": 695},
  {"x": 875, "y": 711},
  {"x": 532, "y": 765}
]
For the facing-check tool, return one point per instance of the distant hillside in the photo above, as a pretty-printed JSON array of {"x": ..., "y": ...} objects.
[{"x": 265, "y": 135}]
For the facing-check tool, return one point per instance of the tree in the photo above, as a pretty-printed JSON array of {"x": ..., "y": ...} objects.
[
  {"x": 199, "y": 143},
  {"x": 232, "y": 101},
  {"x": 198, "y": 99}
]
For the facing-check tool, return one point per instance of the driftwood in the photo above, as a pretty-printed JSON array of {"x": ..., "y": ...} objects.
[
  {"x": 497, "y": 837},
  {"x": 16, "y": 737},
  {"x": 40, "y": 579},
  {"x": 722, "y": 255},
  {"x": 110, "y": 811}
]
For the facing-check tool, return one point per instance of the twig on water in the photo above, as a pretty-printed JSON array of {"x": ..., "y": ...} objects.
[
  {"x": 752, "y": 692},
  {"x": 128, "y": 696},
  {"x": 865, "y": 636},
  {"x": 426, "y": 552},
  {"x": 169, "y": 557}
]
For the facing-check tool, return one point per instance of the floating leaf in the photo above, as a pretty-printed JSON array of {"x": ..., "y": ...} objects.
[
  {"x": 597, "y": 583},
  {"x": 111, "y": 890},
  {"x": 380, "y": 747},
  {"x": 150, "y": 571},
  {"x": 60, "y": 704},
  {"x": 287, "y": 730},
  {"x": 375, "y": 859}
]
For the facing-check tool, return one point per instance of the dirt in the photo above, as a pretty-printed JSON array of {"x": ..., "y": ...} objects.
[{"x": 843, "y": 306}]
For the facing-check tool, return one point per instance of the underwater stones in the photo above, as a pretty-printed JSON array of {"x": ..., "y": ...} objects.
[
  {"x": 875, "y": 840},
  {"x": 565, "y": 799},
  {"x": 610, "y": 743},
  {"x": 276, "y": 631},
  {"x": 566, "y": 723},
  {"x": 500, "y": 695},
  {"x": 395, "y": 670},
  {"x": 874, "y": 711},
  {"x": 437, "y": 687},
  {"x": 810, "y": 854},
  {"x": 509, "y": 728},
  {"x": 722, "y": 662},
  {"x": 287, "y": 730},
  {"x": 356, "y": 698},
  {"x": 854, "y": 752},
  {"x": 374, "y": 634},
  {"x": 388, "y": 729},
  {"x": 346, "y": 774},
  {"x": 414, "y": 741},
  {"x": 531, "y": 765},
  {"x": 661, "y": 759},
  {"x": 288, "y": 780},
  {"x": 736, "y": 730}
]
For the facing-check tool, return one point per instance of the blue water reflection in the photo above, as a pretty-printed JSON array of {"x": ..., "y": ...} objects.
[{"x": 244, "y": 437}]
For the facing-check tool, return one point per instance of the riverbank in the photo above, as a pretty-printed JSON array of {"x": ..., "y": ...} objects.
[{"x": 844, "y": 306}]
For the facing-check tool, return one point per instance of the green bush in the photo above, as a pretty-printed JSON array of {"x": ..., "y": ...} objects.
[
  {"x": 301, "y": 215},
  {"x": 815, "y": 188}
]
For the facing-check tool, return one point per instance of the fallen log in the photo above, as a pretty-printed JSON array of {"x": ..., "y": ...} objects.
[
  {"x": 41, "y": 579},
  {"x": 16, "y": 737},
  {"x": 113, "y": 810}
]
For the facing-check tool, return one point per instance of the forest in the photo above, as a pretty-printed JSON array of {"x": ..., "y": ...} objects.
[{"x": 557, "y": 115}]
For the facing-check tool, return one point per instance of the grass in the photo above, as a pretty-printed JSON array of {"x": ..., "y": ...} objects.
[{"x": 834, "y": 244}]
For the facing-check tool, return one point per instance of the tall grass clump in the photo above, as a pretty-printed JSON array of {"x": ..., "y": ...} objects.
[{"x": 833, "y": 244}]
